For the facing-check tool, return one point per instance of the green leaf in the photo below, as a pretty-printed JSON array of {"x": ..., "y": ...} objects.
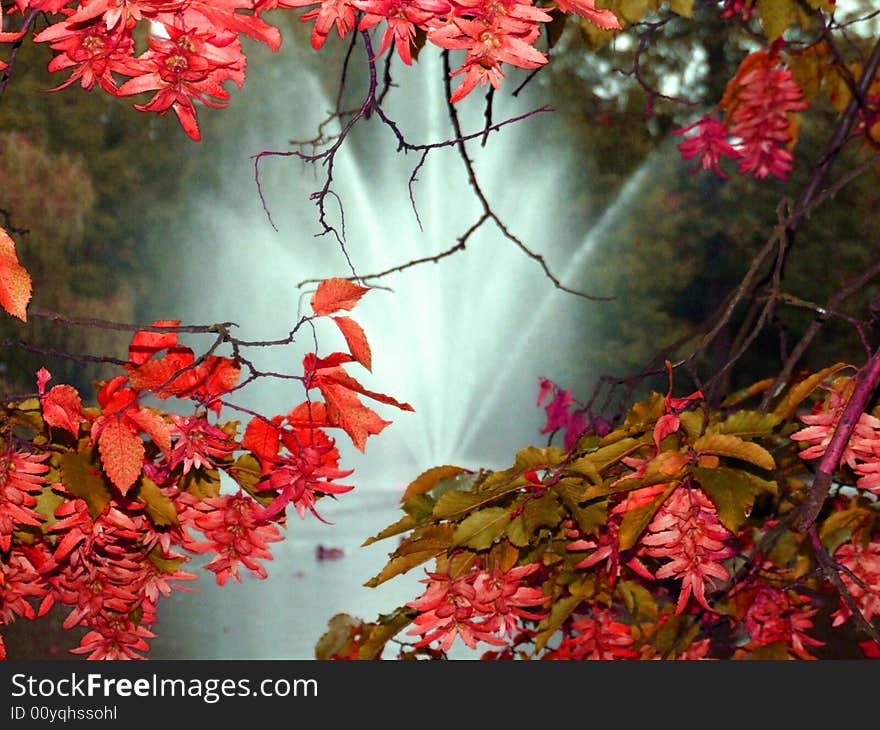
[
  {"x": 479, "y": 530},
  {"x": 47, "y": 502},
  {"x": 427, "y": 480},
  {"x": 746, "y": 423},
  {"x": 771, "y": 652},
  {"x": 599, "y": 460},
  {"x": 776, "y": 16},
  {"x": 636, "y": 520},
  {"x": 517, "y": 533},
  {"x": 427, "y": 543},
  {"x": 692, "y": 423},
  {"x": 82, "y": 476},
  {"x": 165, "y": 565},
  {"x": 160, "y": 509},
  {"x": 542, "y": 512},
  {"x": 786, "y": 408},
  {"x": 560, "y": 610},
  {"x": 419, "y": 507},
  {"x": 205, "y": 483},
  {"x": 721, "y": 444},
  {"x": 731, "y": 491},
  {"x": 840, "y": 526},
  {"x": 373, "y": 644},
  {"x": 590, "y": 519},
  {"x": 404, "y": 524},
  {"x": 457, "y": 504},
  {"x": 341, "y": 629},
  {"x": 28, "y": 413},
  {"x": 638, "y": 600},
  {"x": 684, "y": 8},
  {"x": 631, "y": 10}
]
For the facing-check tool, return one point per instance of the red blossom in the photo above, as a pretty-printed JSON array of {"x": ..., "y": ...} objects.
[
  {"x": 686, "y": 533},
  {"x": 599, "y": 636},
  {"x": 776, "y": 616},
  {"x": 482, "y": 605},
  {"x": 863, "y": 562},
  {"x": 709, "y": 143},
  {"x": 238, "y": 534}
]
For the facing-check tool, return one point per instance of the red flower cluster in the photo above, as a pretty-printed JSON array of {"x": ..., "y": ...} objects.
[
  {"x": 102, "y": 519},
  {"x": 481, "y": 605},
  {"x": 862, "y": 452},
  {"x": 194, "y": 46},
  {"x": 686, "y": 531},
  {"x": 760, "y": 102}
]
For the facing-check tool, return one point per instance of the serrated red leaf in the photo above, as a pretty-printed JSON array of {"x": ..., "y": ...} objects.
[
  {"x": 62, "y": 408},
  {"x": 152, "y": 424},
  {"x": 339, "y": 377},
  {"x": 15, "y": 282},
  {"x": 344, "y": 409},
  {"x": 335, "y": 294},
  {"x": 263, "y": 439},
  {"x": 356, "y": 339},
  {"x": 122, "y": 454}
]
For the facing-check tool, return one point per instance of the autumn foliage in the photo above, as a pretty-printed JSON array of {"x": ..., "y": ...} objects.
[
  {"x": 693, "y": 524},
  {"x": 102, "y": 507}
]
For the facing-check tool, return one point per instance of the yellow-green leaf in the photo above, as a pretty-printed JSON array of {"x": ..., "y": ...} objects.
[
  {"x": 517, "y": 533},
  {"x": 48, "y": 501},
  {"x": 591, "y": 464},
  {"x": 732, "y": 493},
  {"x": 160, "y": 509},
  {"x": 560, "y": 610},
  {"x": 786, "y": 408},
  {"x": 373, "y": 644},
  {"x": 413, "y": 552},
  {"x": 684, "y": 8},
  {"x": 631, "y": 10},
  {"x": 341, "y": 629},
  {"x": 636, "y": 520},
  {"x": 776, "y": 16},
  {"x": 82, "y": 476},
  {"x": 205, "y": 483},
  {"x": 404, "y": 524},
  {"x": 841, "y": 525},
  {"x": 638, "y": 600},
  {"x": 542, "y": 512},
  {"x": 722, "y": 444},
  {"x": 28, "y": 413},
  {"x": 591, "y": 518},
  {"x": 479, "y": 530},
  {"x": 427, "y": 480},
  {"x": 746, "y": 423}
]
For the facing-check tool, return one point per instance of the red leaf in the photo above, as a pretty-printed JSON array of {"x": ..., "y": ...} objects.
[
  {"x": 356, "y": 339},
  {"x": 152, "y": 424},
  {"x": 344, "y": 409},
  {"x": 343, "y": 379},
  {"x": 122, "y": 454},
  {"x": 146, "y": 344},
  {"x": 158, "y": 375},
  {"x": 335, "y": 294},
  {"x": 62, "y": 408},
  {"x": 213, "y": 377},
  {"x": 263, "y": 439},
  {"x": 310, "y": 414},
  {"x": 15, "y": 282}
]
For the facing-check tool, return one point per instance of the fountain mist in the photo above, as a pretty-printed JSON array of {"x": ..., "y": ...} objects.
[{"x": 464, "y": 340}]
